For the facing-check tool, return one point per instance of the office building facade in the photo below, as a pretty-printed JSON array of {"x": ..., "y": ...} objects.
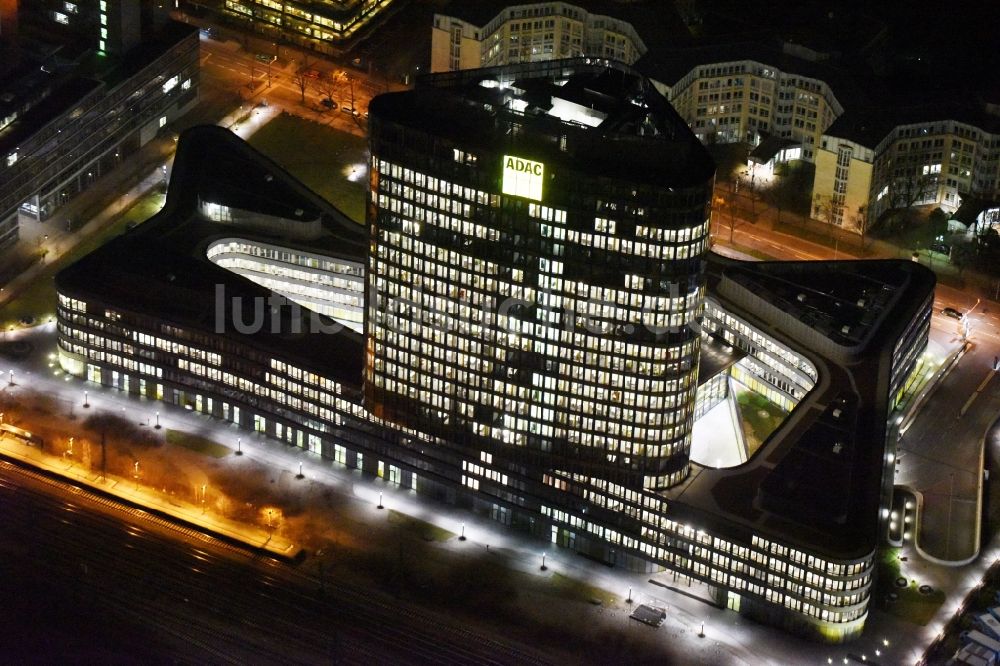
[
  {"x": 484, "y": 37},
  {"x": 326, "y": 27},
  {"x": 864, "y": 170},
  {"x": 64, "y": 125},
  {"x": 491, "y": 372}
]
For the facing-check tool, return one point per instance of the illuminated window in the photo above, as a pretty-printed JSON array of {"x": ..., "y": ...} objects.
[
  {"x": 163, "y": 121},
  {"x": 186, "y": 84},
  {"x": 11, "y": 159},
  {"x": 102, "y": 45},
  {"x": 170, "y": 84},
  {"x": 60, "y": 17},
  {"x": 69, "y": 7},
  {"x": 104, "y": 33}
]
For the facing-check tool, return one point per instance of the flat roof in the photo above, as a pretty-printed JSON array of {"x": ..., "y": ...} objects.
[
  {"x": 161, "y": 267},
  {"x": 869, "y": 125},
  {"x": 816, "y": 481},
  {"x": 533, "y": 106}
]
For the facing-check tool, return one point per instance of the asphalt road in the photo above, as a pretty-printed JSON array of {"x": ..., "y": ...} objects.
[
  {"x": 204, "y": 601},
  {"x": 226, "y": 66}
]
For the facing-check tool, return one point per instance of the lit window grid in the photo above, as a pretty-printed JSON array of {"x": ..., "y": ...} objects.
[
  {"x": 797, "y": 588},
  {"x": 293, "y": 17},
  {"x": 433, "y": 386},
  {"x": 320, "y": 283}
]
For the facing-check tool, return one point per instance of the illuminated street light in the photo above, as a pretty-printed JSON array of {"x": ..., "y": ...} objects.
[
  {"x": 462, "y": 538},
  {"x": 299, "y": 475},
  {"x": 701, "y": 634},
  {"x": 86, "y": 401},
  {"x": 239, "y": 446},
  {"x": 157, "y": 426},
  {"x": 543, "y": 562},
  {"x": 628, "y": 599},
  {"x": 380, "y": 501}
]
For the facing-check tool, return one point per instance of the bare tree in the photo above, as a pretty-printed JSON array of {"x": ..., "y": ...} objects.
[
  {"x": 303, "y": 76},
  {"x": 827, "y": 208},
  {"x": 350, "y": 84},
  {"x": 329, "y": 84},
  {"x": 907, "y": 190},
  {"x": 860, "y": 222}
]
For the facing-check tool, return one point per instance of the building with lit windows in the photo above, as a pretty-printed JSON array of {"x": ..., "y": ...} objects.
[
  {"x": 896, "y": 158},
  {"x": 487, "y": 34},
  {"x": 735, "y": 91},
  {"x": 70, "y": 114},
  {"x": 542, "y": 324},
  {"x": 325, "y": 26}
]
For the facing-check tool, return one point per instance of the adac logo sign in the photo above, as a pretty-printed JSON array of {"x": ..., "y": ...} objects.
[{"x": 523, "y": 178}]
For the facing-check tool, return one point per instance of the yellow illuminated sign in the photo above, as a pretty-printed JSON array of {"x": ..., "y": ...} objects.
[{"x": 522, "y": 178}]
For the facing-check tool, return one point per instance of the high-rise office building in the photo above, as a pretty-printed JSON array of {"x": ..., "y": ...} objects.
[
  {"x": 538, "y": 268},
  {"x": 542, "y": 323}
]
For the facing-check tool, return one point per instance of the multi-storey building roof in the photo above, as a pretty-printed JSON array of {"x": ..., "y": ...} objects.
[{"x": 550, "y": 427}]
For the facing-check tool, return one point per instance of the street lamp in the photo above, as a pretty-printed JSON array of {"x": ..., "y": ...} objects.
[
  {"x": 380, "y": 501},
  {"x": 157, "y": 426},
  {"x": 462, "y": 538},
  {"x": 543, "y": 567},
  {"x": 11, "y": 377},
  {"x": 239, "y": 446},
  {"x": 628, "y": 600},
  {"x": 86, "y": 402}
]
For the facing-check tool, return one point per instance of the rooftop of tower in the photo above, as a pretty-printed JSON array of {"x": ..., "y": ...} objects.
[{"x": 591, "y": 115}]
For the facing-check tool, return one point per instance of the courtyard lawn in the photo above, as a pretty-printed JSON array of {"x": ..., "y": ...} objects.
[
  {"x": 321, "y": 157},
  {"x": 760, "y": 418},
  {"x": 38, "y": 299}
]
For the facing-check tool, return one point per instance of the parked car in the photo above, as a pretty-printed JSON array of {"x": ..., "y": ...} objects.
[
  {"x": 942, "y": 248},
  {"x": 952, "y": 312}
]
